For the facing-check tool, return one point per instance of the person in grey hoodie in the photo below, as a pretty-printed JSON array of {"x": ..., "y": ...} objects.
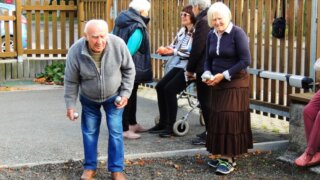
[{"x": 99, "y": 68}]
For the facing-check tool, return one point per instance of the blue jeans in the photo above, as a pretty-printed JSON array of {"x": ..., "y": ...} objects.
[{"x": 90, "y": 125}]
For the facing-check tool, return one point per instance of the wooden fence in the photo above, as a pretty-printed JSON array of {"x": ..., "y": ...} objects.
[{"x": 294, "y": 54}]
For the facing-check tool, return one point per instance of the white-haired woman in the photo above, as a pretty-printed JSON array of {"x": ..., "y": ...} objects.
[
  {"x": 227, "y": 58},
  {"x": 196, "y": 59},
  {"x": 131, "y": 26}
]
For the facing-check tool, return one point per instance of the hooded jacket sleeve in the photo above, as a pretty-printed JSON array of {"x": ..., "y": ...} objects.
[{"x": 71, "y": 80}]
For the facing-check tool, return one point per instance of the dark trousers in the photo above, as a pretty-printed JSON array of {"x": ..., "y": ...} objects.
[
  {"x": 129, "y": 113},
  {"x": 167, "y": 89},
  {"x": 204, "y": 96}
]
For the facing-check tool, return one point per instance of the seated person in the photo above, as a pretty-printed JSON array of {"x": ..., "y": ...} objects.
[
  {"x": 174, "y": 80},
  {"x": 311, "y": 118}
]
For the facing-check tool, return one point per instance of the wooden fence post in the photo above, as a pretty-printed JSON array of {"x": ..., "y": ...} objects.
[
  {"x": 80, "y": 18},
  {"x": 19, "y": 32}
]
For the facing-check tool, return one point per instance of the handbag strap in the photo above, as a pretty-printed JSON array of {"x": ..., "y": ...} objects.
[
  {"x": 276, "y": 9},
  {"x": 283, "y": 9}
]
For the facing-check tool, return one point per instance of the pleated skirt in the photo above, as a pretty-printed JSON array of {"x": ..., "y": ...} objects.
[{"x": 229, "y": 127}]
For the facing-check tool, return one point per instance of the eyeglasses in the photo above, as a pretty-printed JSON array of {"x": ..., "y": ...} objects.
[{"x": 183, "y": 14}]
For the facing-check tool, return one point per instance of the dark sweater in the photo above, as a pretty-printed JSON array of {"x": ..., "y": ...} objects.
[{"x": 234, "y": 53}]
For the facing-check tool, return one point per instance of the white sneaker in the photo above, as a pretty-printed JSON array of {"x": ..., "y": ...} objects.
[{"x": 130, "y": 135}]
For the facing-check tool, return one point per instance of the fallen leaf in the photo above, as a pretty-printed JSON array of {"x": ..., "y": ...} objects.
[{"x": 177, "y": 167}]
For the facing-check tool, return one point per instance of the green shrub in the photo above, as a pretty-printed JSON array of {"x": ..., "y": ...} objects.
[{"x": 53, "y": 73}]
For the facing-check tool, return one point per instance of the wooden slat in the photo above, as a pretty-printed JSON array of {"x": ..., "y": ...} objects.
[
  {"x": 165, "y": 23},
  {"x": 6, "y": 17},
  {"x": 63, "y": 27},
  {"x": 7, "y": 33},
  {"x": 291, "y": 28},
  {"x": 2, "y": 72},
  {"x": 8, "y": 71},
  {"x": 299, "y": 39},
  {"x": 246, "y": 16},
  {"x": 81, "y": 17},
  {"x": 37, "y": 26},
  {"x": 71, "y": 25},
  {"x": 267, "y": 49},
  {"x": 274, "y": 61},
  {"x": 308, "y": 29},
  {"x": 238, "y": 15},
  {"x": 282, "y": 65},
  {"x": 252, "y": 40},
  {"x": 54, "y": 27},
  {"x": 49, "y": 8},
  {"x": 26, "y": 69},
  {"x": 46, "y": 51},
  {"x": 29, "y": 27},
  {"x": 14, "y": 72},
  {"x": 259, "y": 46},
  {"x": 46, "y": 28},
  {"x": 270, "y": 105}
]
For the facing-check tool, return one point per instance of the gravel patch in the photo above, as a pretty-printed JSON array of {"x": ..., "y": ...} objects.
[{"x": 255, "y": 165}]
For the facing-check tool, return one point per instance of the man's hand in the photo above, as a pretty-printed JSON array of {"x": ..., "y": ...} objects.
[
  {"x": 70, "y": 114},
  {"x": 122, "y": 103}
]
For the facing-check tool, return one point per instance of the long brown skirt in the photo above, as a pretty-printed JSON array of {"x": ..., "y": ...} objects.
[{"x": 229, "y": 130}]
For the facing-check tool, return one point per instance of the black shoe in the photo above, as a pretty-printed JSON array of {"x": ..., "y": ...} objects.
[
  {"x": 202, "y": 135},
  {"x": 166, "y": 134},
  {"x": 157, "y": 129},
  {"x": 199, "y": 141}
]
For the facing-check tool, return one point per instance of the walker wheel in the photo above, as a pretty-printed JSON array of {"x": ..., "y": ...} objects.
[
  {"x": 180, "y": 127},
  {"x": 201, "y": 119}
]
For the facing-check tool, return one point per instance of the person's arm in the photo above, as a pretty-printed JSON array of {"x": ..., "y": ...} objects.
[
  {"x": 71, "y": 84},
  {"x": 198, "y": 45},
  {"x": 134, "y": 41},
  {"x": 243, "y": 52}
]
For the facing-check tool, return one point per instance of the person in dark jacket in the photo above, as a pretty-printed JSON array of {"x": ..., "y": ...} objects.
[
  {"x": 196, "y": 60},
  {"x": 131, "y": 26}
]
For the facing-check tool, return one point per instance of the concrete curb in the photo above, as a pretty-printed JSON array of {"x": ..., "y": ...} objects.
[{"x": 264, "y": 146}]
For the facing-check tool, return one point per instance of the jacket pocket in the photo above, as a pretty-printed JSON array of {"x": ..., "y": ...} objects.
[{"x": 87, "y": 75}]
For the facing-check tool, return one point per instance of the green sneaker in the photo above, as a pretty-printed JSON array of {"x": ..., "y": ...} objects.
[
  {"x": 224, "y": 168},
  {"x": 215, "y": 162}
]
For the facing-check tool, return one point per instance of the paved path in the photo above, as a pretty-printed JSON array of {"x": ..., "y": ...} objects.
[{"x": 35, "y": 130}]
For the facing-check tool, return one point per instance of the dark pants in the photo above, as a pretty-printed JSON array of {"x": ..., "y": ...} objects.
[
  {"x": 129, "y": 113},
  {"x": 167, "y": 89},
  {"x": 203, "y": 95}
]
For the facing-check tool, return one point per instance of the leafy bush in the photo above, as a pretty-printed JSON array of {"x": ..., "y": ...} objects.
[{"x": 53, "y": 73}]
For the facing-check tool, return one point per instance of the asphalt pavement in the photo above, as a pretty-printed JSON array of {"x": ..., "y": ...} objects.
[{"x": 34, "y": 129}]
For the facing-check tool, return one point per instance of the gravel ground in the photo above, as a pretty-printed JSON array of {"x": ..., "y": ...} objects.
[{"x": 256, "y": 165}]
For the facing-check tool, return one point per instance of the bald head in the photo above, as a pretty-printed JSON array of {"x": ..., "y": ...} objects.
[{"x": 96, "y": 33}]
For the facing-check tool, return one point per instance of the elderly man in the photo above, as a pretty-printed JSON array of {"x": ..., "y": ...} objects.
[{"x": 99, "y": 68}]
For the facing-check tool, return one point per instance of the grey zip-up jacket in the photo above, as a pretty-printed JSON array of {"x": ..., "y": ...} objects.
[{"x": 81, "y": 75}]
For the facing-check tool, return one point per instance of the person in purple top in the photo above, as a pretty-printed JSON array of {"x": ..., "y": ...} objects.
[{"x": 227, "y": 58}]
